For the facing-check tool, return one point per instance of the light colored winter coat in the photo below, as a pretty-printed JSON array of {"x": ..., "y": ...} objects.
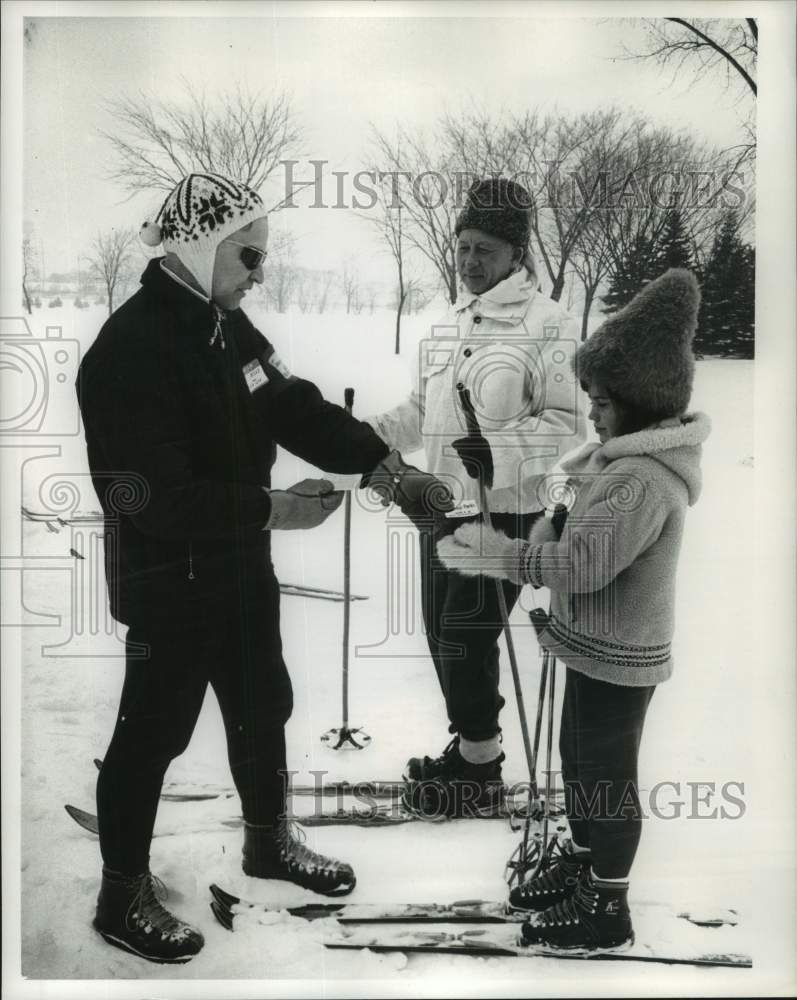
[
  {"x": 511, "y": 347},
  {"x": 612, "y": 573}
]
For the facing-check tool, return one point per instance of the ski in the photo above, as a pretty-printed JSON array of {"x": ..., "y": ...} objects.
[
  {"x": 90, "y": 517},
  {"x": 55, "y": 523},
  {"x": 362, "y": 791},
  {"x": 296, "y": 590},
  {"x": 483, "y": 943},
  {"x": 88, "y": 822},
  {"x": 466, "y": 911},
  {"x": 183, "y": 792},
  {"x": 375, "y": 815}
]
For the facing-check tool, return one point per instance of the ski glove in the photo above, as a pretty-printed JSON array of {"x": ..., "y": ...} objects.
[
  {"x": 420, "y": 495},
  {"x": 305, "y": 505},
  {"x": 477, "y": 457},
  {"x": 478, "y": 550}
]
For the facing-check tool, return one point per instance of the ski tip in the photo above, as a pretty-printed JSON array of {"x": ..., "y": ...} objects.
[
  {"x": 729, "y": 918},
  {"x": 223, "y": 898},
  {"x": 97, "y": 763},
  {"x": 224, "y": 917},
  {"x": 84, "y": 819}
]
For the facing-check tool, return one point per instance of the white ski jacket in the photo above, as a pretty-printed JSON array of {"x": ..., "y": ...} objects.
[{"x": 511, "y": 348}]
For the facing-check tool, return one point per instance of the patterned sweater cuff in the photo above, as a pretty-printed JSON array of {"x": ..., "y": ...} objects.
[{"x": 530, "y": 569}]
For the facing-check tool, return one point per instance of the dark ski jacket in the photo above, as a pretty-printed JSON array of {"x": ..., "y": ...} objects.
[{"x": 181, "y": 437}]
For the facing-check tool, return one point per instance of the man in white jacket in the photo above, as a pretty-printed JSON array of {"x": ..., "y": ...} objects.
[{"x": 511, "y": 347}]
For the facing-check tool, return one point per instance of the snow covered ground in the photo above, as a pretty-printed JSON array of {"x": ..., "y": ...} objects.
[{"x": 696, "y": 732}]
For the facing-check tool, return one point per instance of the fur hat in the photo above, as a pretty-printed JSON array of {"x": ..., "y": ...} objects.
[
  {"x": 201, "y": 212},
  {"x": 500, "y": 207},
  {"x": 643, "y": 353}
]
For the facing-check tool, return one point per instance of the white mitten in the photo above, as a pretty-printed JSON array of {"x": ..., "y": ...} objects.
[{"x": 476, "y": 550}]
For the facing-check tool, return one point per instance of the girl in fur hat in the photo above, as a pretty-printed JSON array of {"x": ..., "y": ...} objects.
[{"x": 611, "y": 575}]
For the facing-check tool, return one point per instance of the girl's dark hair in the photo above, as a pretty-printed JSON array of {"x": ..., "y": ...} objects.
[{"x": 632, "y": 418}]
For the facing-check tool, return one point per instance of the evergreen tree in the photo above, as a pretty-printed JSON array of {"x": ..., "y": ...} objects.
[
  {"x": 726, "y": 325},
  {"x": 630, "y": 273},
  {"x": 674, "y": 246}
]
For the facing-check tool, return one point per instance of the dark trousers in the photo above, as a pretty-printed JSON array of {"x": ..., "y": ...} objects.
[
  {"x": 240, "y": 656},
  {"x": 463, "y": 625},
  {"x": 599, "y": 746}
]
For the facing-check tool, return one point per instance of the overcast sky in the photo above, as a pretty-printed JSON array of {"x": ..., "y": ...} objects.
[{"x": 342, "y": 74}]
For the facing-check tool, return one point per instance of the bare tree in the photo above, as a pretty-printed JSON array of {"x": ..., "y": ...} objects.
[
  {"x": 324, "y": 288},
  {"x": 240, "y": 135},
  {"x": 110, "y": 256},
  {"x": 280, "y": 274},
  {"x": 706, "y": 43},
  {"x": 591, "y": 260},
  {"x": 371, "y": 295},
  {"x": 727, "y": 45},
  {"x": 28, "y": 269},
  {"x": 600, "y": 183},
  {"x": 390, "y": 226},
  {"x": 350, "y": 285},
  {"x": 305, "y": 295},
  {"x": 427, "y": 184}
]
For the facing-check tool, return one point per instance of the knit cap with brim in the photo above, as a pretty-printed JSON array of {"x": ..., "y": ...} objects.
[
  {"x": 201, "y": 212},
  {"x": 499, "y": 207},
  {"x": 643, "y": 354}
]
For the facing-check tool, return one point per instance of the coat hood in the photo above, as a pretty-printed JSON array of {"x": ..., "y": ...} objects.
[{"x": 676, "y": 443}]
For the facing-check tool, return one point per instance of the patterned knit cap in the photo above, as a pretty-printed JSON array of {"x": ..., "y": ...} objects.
[
  {"x": 499, "y": 207},
  {"x": 201, "y": 212}
]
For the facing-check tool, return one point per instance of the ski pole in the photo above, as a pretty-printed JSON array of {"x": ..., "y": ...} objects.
[
  {"x": 548, "y": 777},
  {"x": 473, "y": 431},
  {"x": 520, "y": 862},
  {"x": 348, "y": 397},
  {"x": 344, "y": 734}
]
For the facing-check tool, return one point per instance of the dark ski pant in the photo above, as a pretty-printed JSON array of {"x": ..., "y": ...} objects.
[
  {"x": 599, "y": 747},
  {"x": 240, "y": 656},
  {"x": 463, "y": 626}
]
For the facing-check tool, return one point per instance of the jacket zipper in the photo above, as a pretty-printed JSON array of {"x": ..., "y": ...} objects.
[{"x": 191, "y": 561}]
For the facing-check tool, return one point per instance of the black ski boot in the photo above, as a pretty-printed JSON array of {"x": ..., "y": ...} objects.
[
  {"x": 450, "y": 786},
  {"x": 130, "y": 916},
  {"x": 594, "y": 919},
  {"x": 274, "y": 852},
  {"x": 552, "y": 884},
  {"x": 429, "y": 768}
]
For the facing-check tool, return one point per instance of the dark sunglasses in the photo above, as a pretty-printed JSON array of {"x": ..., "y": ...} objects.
[{"x": 251, "y": 257}]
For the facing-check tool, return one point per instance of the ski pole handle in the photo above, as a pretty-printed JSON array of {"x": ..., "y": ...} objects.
[
  {"x": 467, "y": 408},
  {"x": 348, "y": 399}
]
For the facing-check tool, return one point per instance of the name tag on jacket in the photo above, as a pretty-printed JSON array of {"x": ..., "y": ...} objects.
[{"x": 254, "y": 375}]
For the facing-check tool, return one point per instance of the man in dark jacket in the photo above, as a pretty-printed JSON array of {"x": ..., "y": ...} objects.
[{"x": 183, "y": 404}]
